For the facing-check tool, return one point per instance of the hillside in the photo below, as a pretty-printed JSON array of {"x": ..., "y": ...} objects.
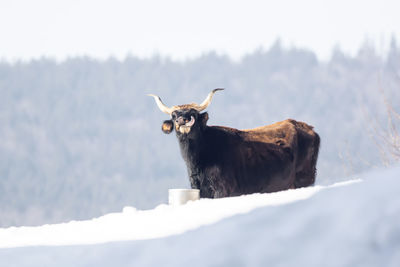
[{"x": 350, "y": 224}]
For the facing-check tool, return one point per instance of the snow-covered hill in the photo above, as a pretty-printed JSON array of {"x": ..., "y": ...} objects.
[
  {"x": 132, "y": 224},
  {"x": 350, "y": 224}
]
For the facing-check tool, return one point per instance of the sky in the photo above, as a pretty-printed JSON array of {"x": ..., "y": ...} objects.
[{"x": 182, "y": 29}]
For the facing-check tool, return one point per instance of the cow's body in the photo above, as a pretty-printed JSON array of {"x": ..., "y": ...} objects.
[{"x": 223, "y": 162}]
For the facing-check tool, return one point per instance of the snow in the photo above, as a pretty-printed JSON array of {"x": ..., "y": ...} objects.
[
  {"x": 349, "y": 224},
  {"x": 132, "y": 224}
]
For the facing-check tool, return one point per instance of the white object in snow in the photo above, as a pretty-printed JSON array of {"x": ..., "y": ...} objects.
[{"x": 182, "y": 196}]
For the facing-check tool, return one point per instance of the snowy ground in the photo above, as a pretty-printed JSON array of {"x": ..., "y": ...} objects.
[
  {"x": 355, "y": 224},
  {"x": 132, "y": 224}
]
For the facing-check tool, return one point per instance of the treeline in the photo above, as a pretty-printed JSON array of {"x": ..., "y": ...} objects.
[{"x": 80, "y": 138}]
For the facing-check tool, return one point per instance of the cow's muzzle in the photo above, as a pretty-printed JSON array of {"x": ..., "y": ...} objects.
[{"x": 183, "y": 125}]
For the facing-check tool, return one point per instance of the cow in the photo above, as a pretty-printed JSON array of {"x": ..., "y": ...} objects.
[{"x": 224, "y": 162}]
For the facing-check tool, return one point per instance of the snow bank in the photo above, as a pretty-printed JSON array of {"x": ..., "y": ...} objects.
[
  {"x": 353, "y": 225},
  {"x": 132, "y": 224}
]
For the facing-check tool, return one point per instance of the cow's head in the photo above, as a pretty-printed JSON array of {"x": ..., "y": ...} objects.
[{"x": 185, "y": 118}]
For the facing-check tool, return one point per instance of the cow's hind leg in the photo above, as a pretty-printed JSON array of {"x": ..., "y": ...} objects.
[{"x": 306, "y": 176}]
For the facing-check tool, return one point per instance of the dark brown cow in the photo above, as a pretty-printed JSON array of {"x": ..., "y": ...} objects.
[{"x": 224, "y": 162}]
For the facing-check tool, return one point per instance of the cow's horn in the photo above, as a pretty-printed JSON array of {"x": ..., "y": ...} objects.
[
  {"x": 207, "y": 101},
  {"x": 161, "y": 105}
]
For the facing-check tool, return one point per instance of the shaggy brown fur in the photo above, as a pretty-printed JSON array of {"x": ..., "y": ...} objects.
[
  {"x": 290, "y": 135},
  {"x": 223, "y": 161}
]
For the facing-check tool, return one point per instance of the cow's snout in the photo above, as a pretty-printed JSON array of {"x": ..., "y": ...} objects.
[{"x": 181, "y": 120}]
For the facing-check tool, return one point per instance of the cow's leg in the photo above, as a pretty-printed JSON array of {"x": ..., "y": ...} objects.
[{"x": 306, "y": 176}]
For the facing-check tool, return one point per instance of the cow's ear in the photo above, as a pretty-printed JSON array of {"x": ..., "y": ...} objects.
[
  {"x": 203, "y": 118},
  {"x": 167, "y": 127}
]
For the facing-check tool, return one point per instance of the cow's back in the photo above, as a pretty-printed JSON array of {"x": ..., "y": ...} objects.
[
  {"x": 282, "y": 133},
  {"x": 297, "y": 136}
]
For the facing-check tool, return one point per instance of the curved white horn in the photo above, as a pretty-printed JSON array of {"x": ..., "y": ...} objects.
[
  {"x": 207, "y": 101},
  {"x": 161, "y": 105}
]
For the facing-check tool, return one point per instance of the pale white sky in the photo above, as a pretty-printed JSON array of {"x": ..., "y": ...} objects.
[{"x": 185, "y": 29}]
